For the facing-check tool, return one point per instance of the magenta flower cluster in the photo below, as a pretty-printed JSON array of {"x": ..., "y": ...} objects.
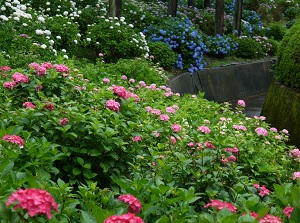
[
  {"x": 219, "y": 205},
  {"x": 15, "y": 139},
  {"x": 35, "y": 201}
]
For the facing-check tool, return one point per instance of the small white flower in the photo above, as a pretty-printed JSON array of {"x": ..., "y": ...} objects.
[
  {"x": 66, "y": 57},
  {"x": 3, "y": 17},
  {"x": 48, "y": 3},
  {"x": 25, "y": 24},
  {"x": 65, "y": 13},
  {"x": 130, "y": 25},
  {"x": 43, "y": 46},
  {"x": 17, "y": 18},
  {"x": 39, "y": 32},
  {"x": 41, "y": 19},
  {"x": 47, "y": 32},
  {"x": 106, "y": 20},
  {"x": 111, "y": 27},
  {"x": 75, "y": 41},
  {"x": 78, "y": 34},
  {"x": 63, "y": 50},
  {"x": 58, "y": 37},
  {"x": 48, "y": 9},
  {"x": 3, "y": 8},
  {"x": 117, "y": 24},
  {"x": 51, "y": 42},
  {"x": 88, "y": 39}
]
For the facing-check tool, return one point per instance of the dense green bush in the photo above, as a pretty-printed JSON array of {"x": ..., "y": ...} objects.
[
  {"x": 287, "y": 69},
  {"x": 248, "y": 48},
  {"x": 275, "y": 31},
  {"x": 114, "y": 39},
  {"x": 162, "y": 53}
]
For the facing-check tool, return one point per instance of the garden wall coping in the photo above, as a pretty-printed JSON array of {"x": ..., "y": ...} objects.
[{"x": 227, "y": 82}]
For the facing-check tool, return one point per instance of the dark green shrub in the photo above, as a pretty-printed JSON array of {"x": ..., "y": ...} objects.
[
  {"x": 162, "y": 53},
  {"x": 287, "y": 69},
  {"x": 275, "y": 30},
  {"x": 248, "y": 48}
]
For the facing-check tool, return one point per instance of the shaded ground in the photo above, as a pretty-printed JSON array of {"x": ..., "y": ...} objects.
[{"x": 254, "y": 104}]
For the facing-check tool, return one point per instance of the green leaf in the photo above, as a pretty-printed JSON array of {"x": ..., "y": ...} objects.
[
  {"x": 164, "y": 219},
  {"x": 88, "y": 174},
  {"x": 223, "y": 214},
  {"x": 5, "y": 168},
  {"x": 206, "y": 218},
  {"x": 87, "y": 217},
  {"x": 76, "y": 171},
  {"x": 80, "y": 161},
  {"x": 246, "y": 219}
]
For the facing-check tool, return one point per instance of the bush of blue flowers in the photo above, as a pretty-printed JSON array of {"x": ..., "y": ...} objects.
[
  {"x": 181, "y": 36},
  {"x": 220, "y": 46}
]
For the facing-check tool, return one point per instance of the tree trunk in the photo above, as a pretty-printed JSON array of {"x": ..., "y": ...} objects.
[
  {"x": 115, "y": 8},
  {"x": 172, "y": 8},
  {"x": 238, "y": 16},
  {"x": 206, "y": 3},
  {"x": 219, "y": 17}
]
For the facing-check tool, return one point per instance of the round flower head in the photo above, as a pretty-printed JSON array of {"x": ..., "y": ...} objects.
[
  {"x": 125, "y": 218},
  {"x": 219, "y": 205},
  {"x": 35, "y": 201},
  {"x": 14, "y": 139},
  {"x": 113, "y": 105},
  {"x": 204, "y": 129},
  {"x": 134, "y": 205},
  {"x": 261, "y": 131},
  {"x": 241, "y": 103}
]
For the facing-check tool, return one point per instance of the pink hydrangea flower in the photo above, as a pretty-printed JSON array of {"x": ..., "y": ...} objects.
[
  {"x": 35, "y": 201},
  {"x": 273, "y": 129},
  {"x": 256, "y": 186},
  {"x": 295, "y": 154},
  {"x": 135, "y": 205},
  {"x": 131, "y": 80},
  {"x": 20, "y": 78},
  {"x": 34, "y": 65},
  {"x": 9, "y": 85},
  {"x": 240, "y": 127},
  {"x": 136, "y": 97},
  {"x": 176, "y": 127},
  {"x": 148, "y": 109},
  {"x": 164, "y": 117},
  {"x": 5, "y": 68},
  {"x": 142, "y": 84},
  {"x": 28, "y": 105},
  {"x": 113, "y": 105},
  {"x": 288, "y": 211},
  {"x": 204, "y": 129},
  {"x": 285, "y": 131},
  {"x": 209, "y": 145},
  {"x": 137, "y": 138},
  {"x": 63, "y": 121},
  {"x": 261, "y": 131},
  {"x": 120, "y": 91},
  {"x": 61, "y": 68},
  {"x": 38, "y": 88},
  {"x": 47, "y": 65},
  {"x": 124, "y": 77},
  {"x": 264, "y": 191},
  {"x": 191, "y": 144},
  {"x": 168, "y": 94},
  {"x": 125, "y": 218},
  {"x": 41, "y": 71},
  {"x": 241, "y": 103},
  {"x": 156, "y": 112},
  {"x": 270, "y": 219},
  {"x": 296, "y": 175},
  {"x": 234, "y": 150},
  {"x": 14, "y": 139},
  {"x": 106, "y": 80},
  {"x": 170, "y": 110},
  {"x": 156, "y": 133},
  {"x": 219, "y": 205},
  {"x": 49, "y": 106},
  {"x": 173, "y": 139}
]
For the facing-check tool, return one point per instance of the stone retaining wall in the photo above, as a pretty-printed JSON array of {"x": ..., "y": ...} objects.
[{"x": 227, "y": 82}]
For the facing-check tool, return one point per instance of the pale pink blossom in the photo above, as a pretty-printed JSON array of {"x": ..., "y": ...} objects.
[
  {"x": 156, "y": 133},
  {"x": 20, "y": 78},
  {"x": 47, "y": 65},
  {"x": 285, "y": 131},
  {"x": 156, "y": 112},
  {"x": 170, "y": 110},
  {"x": 273, "y": 129},
  {"x": 164, "y": 117},
  {"x": 168, "y": 94},
  {"x": 61, "y": 68},
  {"x": 121, "y": 92},
  {"x": 204, "y": 129},
  {"x": 106, "y": 80},
  {"x": 296, "y": 175},
  {"x": 241, "y": 103},
  {"x": 131, "y": 80},
  {"x": 148, "y": 109},
  {"x": 173, "y": 139},
  {"x": 113, "y": 105},
  {"x": 176, "y": 127},
  {"x": 261, "y": 131},
  {"x": 142, "y": 84},
  {"x": 191, "y": 144},
  {"x": 124, "y": 77},
  {"x": 209, "y": 145}
]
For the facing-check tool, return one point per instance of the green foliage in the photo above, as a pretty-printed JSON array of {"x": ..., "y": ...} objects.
[
  {"x": 287, "y": 68},
  {"x": 116, "y": 39},
  {"x": 163, "y": 55},
  {"x": 275, "y": 31},
  {"x": 248, "y": 48}
]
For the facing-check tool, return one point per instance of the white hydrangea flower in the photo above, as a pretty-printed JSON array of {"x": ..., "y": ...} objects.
[
  {"x": 3, "y": 17},
  {"x": 44, "y": 46},
  {"x": 130, "y": 25},
  {"x": 117, "y": 24},
  {"x": 63, "y": 50},
  {"x": 3, "y": 8},
  {"x": 47, "y": 32},
  {"x": 51, "y": 42},
  {"x": 25, "y": 24},
  {"x": 66, "y": 57},
  {"x": 75, "y": 41},
  {"x": 88, "y": 39},
  {"x": 39, "y": 32},
  {"x": 41, "y": 19},
  {"x": 48, "y": 3},
  {"x": 17, "y": 18},
  {"x": 78, "y": 34},
  {"x": 58, "y": 37},
  {"x": 65, "y": 13}
]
